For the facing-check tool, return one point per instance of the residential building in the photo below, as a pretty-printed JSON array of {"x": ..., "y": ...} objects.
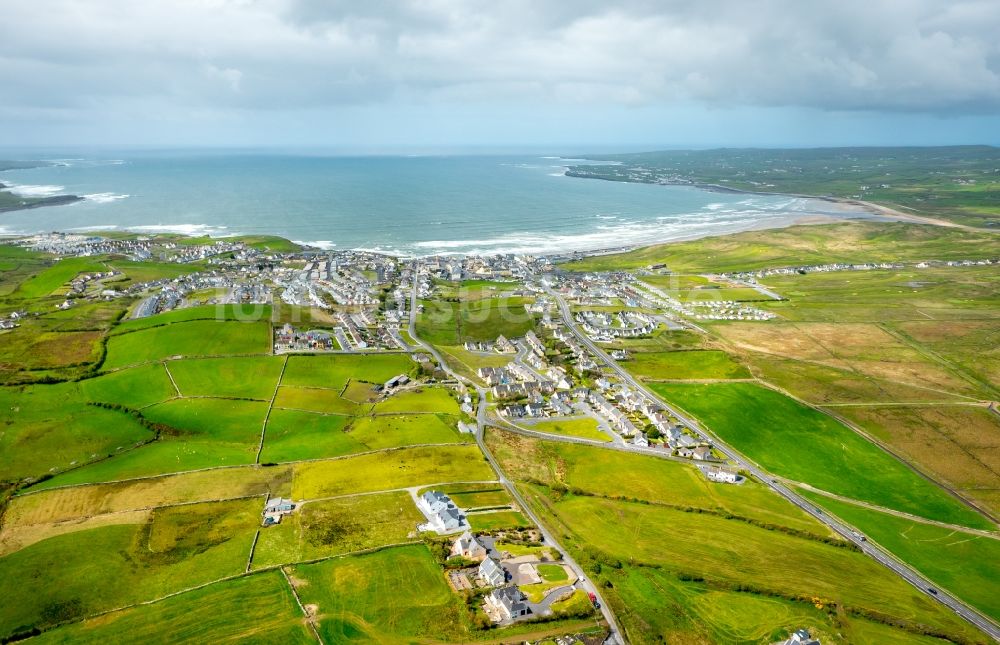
[
  {"x": 507, "y": 602},
  {"x": 491, "y": 573}
]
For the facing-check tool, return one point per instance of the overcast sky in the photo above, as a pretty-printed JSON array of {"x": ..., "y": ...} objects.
[{"x": 374, "y": 75}]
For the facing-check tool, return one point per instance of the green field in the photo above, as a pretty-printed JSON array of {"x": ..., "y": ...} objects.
[
  {"x": 240, "y": 313},
  {"x": 396, "y": 595},
  {"x": 965, "y": 564},
  {"x": 72, "y": 576},
  {"x": 453, "y": 323},
  {"x": 390, "y": 470},
  {"x": 196, "y": 338},
  {"x": 293, "y": 435},
  {"x": 423, "y": 399},
  {"x": 335, "y": 371},
  {"x": 659, "y": 546},
  {"x": 698, "y": 364},
  {"x": 317, "y": 399},
  {"x": 135, "y": 388},
  {"x": 387, "y": 431},
  {"x": 49, "y": 281},
  {"x": 794, "y": 441},
  {"x": 585, "y": 428},
  {"x": 257, "y": 608},
  {"x": 252, "y": 377},
  {"x": 498, "y": 521},
  {"x": 331, "y": 527}
]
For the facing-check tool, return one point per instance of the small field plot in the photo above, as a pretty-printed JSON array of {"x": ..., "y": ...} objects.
[
  {"x": 330, "y": 527},
  {"x": 335, "y": 371},
  {"x": 958, "y": 444},
  {"x": 586, "y": 428},
  {"x": 293, "y": 435},
  {"x": 71, "y": 576},
  {"x": 47, "y": 428},
  {"x": 401, "y": 468},
  {"x": 394, "y": 595},
  {"x": 196, "y": 338},
  {"x": 251, "y": 377},
  {"x": 801, "y": 444},
  {"x": 49, "y": 281},
  {"x": 393, "y": 431},
  {"x": 316, "y": 399},
  {"x": 697, "y": 364},
  {"x": 475, "y": 495},
  {"x": 499, "y": 521},
  {"x": 258, "y": 608},
  {"x": 134, "y": 388},
  {"x": 730, "y": 552},
  {"x": 965, "y": 564},
  {"x": 218, "y": 420},
  {"x": 425, "y": 399}
]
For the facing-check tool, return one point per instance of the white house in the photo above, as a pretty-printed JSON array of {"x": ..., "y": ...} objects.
[
  {"x": 491, "y": 573},
  {"x": 467, "y": 546},
  {"x": 507, "y": 603}
]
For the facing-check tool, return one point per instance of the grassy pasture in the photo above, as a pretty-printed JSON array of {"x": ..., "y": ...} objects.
[
  {"x": 453, "y": 323},
  {"x": 316, "y": 399},
  {"x": 335, "y": 371},
  {"x": 48, "y": 428},
  {"x": 135, "y": 388},
  {"x": 331, "y": 527},
  {"x": 360, "y": 599},
  {"x": 424, "y": 399},
  {"x": 195, "y": 338},
  {"x": 387, "y": 431},
  {"x": 389, "y": 470},
  {"x": 960, "y": 445},
  {"x": 70, "y": 576},
  {"x": 241, "y": 313},
  {"x": 797, "y": 442},
  {"x": 697, "y": 364},
  {"x": 730, "y": 553},
  {"x": 252, "y": 377},
  {"x": 217, "y": 420},
  {"x": 585, "y": 428},
  {"x": 965, "y": 564},
  {"x": 474, "y": 495},
  {"x": 293, "y": 435},
  {"x": 48, "y": 281},
  {"x": 613, "y": 473},
  {"x": 257, "y": 608}
]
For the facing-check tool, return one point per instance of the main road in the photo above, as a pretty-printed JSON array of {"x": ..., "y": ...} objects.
[
  {"x": 615, "y": 636},
  {"x": 848, "y": 533}
]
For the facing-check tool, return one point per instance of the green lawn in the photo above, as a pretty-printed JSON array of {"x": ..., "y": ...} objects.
[
  {"x": 321, "y": 529},
  {"x": 499, "y": 520},
  {"x": 967, "y": 565},
  {"x": 396, "y": 595},
  {"x": 552, "y": 572},
  {"x": 71, "y": 576},
  {"x": 334, "y": 371},
  {"x": 257, "y": 608},
  {"x": 698, "y": 364},
  {"x": 251, "y": 377},
  {"x": 195, "y": 338},
  {"x": 801, "y": 444}
]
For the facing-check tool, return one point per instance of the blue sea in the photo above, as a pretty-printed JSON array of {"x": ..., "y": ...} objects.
[{"x": 409, "y": 205}]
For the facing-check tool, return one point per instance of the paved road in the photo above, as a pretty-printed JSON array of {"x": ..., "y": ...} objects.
[
  {"x": 615, "y": 637},
  {"x": 847, "y": 532}
]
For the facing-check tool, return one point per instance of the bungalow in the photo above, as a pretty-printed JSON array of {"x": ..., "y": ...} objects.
[
  {"x": 467, "y": 546},
  {"x": 507, "y": 603},
  {"x": 491, "y": 573},
  {"x": 701, "y": 453},
  {"x": 275, "y": 508},
  {"x": 721, "y": 475}
]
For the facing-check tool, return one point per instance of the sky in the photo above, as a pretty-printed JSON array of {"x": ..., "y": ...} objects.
[{"x": 559, "y": 74}]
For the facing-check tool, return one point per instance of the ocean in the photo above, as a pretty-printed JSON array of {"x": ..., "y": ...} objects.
[{"x": 408, "y": 205}]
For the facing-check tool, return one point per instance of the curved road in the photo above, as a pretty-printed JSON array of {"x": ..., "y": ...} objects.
[
  {"x": 615, "y": 636},
  {"x": 847, "y": 532}
]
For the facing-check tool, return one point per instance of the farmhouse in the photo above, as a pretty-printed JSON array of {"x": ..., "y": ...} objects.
[
  {"x": 491, "y": 573},
  {"x": 442, "y": 515},
  {"x": 721, "y": 475},
  {"x": 395, "y": 381},
  {"x": 799, "y": 637},
  {"x": 275, "y": 508},
  {"x": 506, "y": 603},
  {"x": 468, "y": 546}
]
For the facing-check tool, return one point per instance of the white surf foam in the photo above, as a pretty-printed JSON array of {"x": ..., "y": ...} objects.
[
  {"x": 105, "y": 198},
  {"x": 23, "y": 190}
]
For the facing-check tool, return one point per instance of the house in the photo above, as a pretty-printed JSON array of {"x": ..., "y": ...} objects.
[
  {"x": 395, "y": 381},
  {"x": 442, "y": 515},
  {"x": 507, "y": 603},
  {"x": 491, "y": 573},
  {"x": 701, "y": 453},
  {"x": 641, "y": 440},
  {"x": 504, "y": 346},
  {"x": 799, "y": 637},
  {"x": 275, "y": 508},
  {"x": 721, "y": 475},
  {"x": 467, "y": 546}
]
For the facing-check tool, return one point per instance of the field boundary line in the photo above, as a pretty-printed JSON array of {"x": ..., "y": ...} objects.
[
  {"x": 302, "y": 608},
  {"x": 177, "y": 390},
  {"x": 270, "y": 406}
]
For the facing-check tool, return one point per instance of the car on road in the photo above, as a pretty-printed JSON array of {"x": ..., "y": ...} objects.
[{"x": 932, "y": 590}]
